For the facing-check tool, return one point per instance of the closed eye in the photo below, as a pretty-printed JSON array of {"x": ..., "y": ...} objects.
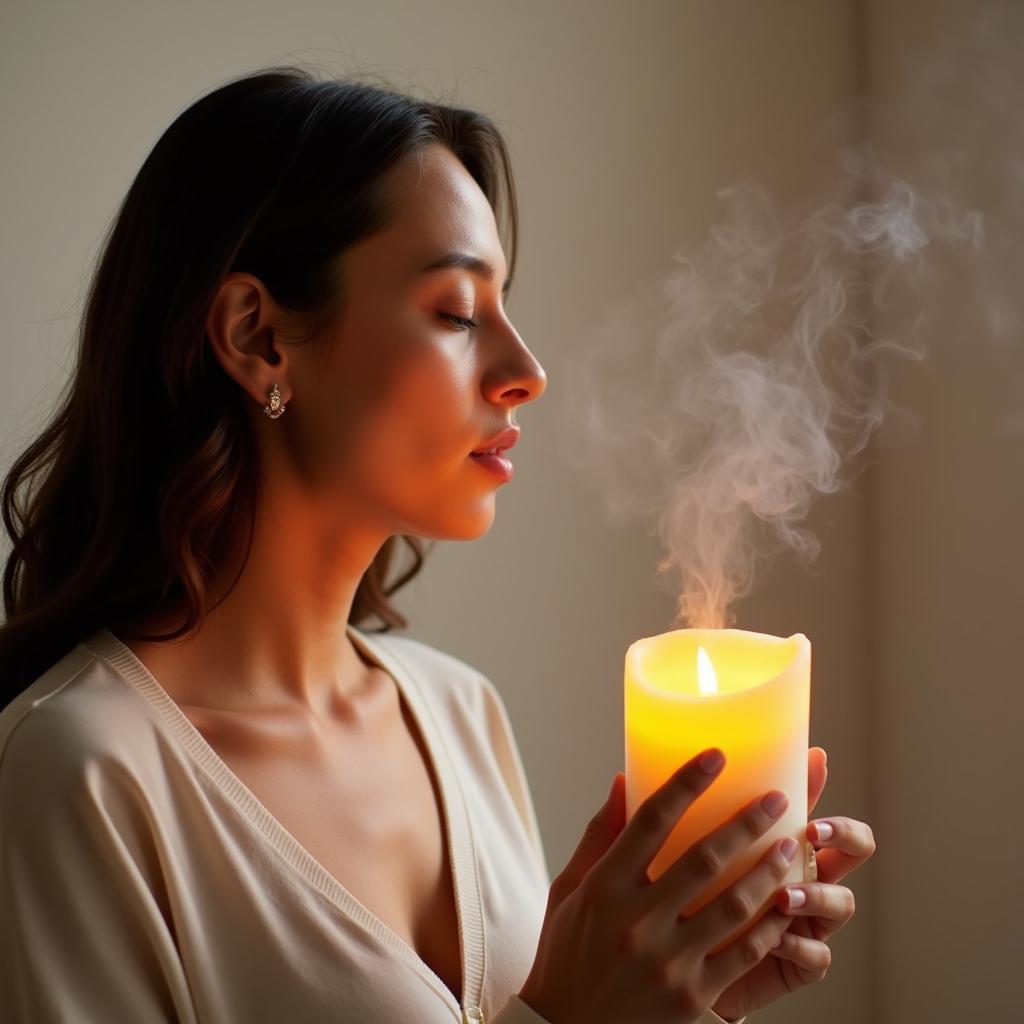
[{"x": 463, "y": 323}]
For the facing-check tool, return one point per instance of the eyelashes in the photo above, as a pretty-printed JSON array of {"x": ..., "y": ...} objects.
[{"x": 461, "y": 321}]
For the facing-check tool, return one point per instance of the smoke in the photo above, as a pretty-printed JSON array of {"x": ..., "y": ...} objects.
[
  {"x": 720, "y": 402},
  {"x": 717, "y": 403}
]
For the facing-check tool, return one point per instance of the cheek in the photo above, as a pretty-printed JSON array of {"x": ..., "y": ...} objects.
[
  {"x": 418, "y": 413},
  {"x": 440, "y": 424},
  {"x": 436, "y": 408}
]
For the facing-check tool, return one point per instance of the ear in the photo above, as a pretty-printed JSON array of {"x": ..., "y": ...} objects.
[{"x": 242, "y": 337}]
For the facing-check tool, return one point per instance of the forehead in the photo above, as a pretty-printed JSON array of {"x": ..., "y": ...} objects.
[{"x": 435, "y": 206}]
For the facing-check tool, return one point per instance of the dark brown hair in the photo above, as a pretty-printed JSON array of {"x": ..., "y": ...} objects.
[{"x": 146, "y": 478}]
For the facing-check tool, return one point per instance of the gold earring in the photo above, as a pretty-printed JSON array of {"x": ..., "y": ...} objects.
[{"x": 276, "y": 406}]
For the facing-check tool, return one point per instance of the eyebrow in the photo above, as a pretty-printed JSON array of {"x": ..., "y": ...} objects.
[{"x": 465, "y": 261}]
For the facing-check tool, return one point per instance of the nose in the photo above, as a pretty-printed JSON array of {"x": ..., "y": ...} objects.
[{"x": 514, "y": 373}]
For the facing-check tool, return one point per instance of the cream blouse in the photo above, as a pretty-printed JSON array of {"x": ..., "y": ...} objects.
[{"x": 142, "y": 882}]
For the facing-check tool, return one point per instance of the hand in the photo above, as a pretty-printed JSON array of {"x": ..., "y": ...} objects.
[
  {"x": 804, "y": 957},
  {"x": 613, "y": 947}
]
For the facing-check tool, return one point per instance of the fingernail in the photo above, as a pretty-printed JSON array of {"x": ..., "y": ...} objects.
[
  {"x": 822, "y": 830},
  {"x": 795, "y": 898},
  {"x": 774, "y": 803},
  {"x": 788, "y": 847},
  {"x": 712, "y": 761},
  {"x": 779, "y": 943}
]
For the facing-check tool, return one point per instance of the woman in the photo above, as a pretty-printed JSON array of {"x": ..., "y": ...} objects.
[{"x": 220, "y": 799}]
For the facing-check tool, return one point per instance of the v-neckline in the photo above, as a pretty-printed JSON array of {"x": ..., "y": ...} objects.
[{"x": 461, "y": 840}]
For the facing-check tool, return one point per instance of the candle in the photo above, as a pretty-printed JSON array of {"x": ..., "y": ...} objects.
[{"x": 747, "y": 693}]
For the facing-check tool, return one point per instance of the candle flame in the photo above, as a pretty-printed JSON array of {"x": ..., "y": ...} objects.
[{"x": 706, "y": 672}]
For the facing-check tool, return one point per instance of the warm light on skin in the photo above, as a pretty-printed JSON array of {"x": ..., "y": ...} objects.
[
  {"x": 407, "y": 392},
  {"x": 375, "y": 442}
]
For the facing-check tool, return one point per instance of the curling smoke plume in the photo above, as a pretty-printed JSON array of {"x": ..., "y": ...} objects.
[{"x": 720, "y": 402}]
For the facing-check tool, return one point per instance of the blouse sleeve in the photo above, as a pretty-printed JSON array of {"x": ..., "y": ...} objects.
[{"x": 84, "y": 938}]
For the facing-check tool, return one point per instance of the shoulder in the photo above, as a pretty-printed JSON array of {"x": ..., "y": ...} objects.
[
  {"x": 446, "y": 674},
  {"x": 453, "y": 686},
  {"x": 76, "y": 717}
]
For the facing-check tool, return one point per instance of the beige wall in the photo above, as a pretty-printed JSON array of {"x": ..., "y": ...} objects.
[
  {"x": 623, "y": 119},
  {"x": 947, "y": 548}
]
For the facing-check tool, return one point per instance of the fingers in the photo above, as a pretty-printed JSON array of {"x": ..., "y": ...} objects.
[
  {"x": 812, "y": 957},
  {"x": 628, "y": 857},
  {"x": 722, "y": 969},
  {"x": 841, "y": 845},
  {"x": 731, "y": 910},
  {"x": 703, "y": 862},
  {"x": 831, "y": 906},
  {"x": 817, "y": 773},
  {"x": 602, "y": 828}
]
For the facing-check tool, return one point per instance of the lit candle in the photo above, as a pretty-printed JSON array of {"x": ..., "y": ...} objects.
[{"x": 746, "y": 693}]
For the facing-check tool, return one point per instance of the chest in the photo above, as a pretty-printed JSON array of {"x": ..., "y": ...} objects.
[{"x": 368, "y": 809}]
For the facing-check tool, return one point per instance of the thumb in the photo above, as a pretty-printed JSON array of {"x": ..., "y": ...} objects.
[{"x": 599, "y": 834}]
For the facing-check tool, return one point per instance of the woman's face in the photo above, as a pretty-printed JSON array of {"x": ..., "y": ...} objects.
[{"x": 406, "y": 390}]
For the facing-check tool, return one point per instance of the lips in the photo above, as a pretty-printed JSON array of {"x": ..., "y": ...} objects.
[{"x": 502, "y": 442}]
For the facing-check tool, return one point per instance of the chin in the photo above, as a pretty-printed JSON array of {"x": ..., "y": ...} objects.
[
  {"x": 477, "y": 529},
  {"x": 472, "y": 525}
]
